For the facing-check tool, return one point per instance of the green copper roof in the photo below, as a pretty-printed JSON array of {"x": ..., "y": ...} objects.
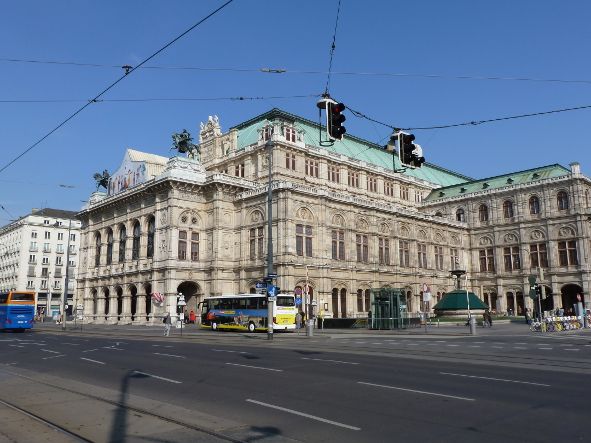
[
  {"x": 500, "y": 181},
  {"x": 350, "y": 146},
  {"x": 456, "y": 299}
]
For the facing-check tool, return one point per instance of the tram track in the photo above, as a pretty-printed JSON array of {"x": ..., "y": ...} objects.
[{"x": 126, "y": 407}]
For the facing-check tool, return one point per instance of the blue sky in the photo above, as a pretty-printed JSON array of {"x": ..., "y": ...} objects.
[{"x": 542, "y": 39}]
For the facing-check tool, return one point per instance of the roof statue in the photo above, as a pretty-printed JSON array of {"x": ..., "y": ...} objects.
[
  {"x": 183, "y": 143},
  {"x": 210, "y": 129},
  {"x": 102, "y": 179}
]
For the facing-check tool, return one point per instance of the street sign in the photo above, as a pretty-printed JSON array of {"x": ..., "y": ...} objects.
[
  {"x": 260, "y": 285},
  {"x": 271, "y": 290},
  {"x": 271, "y": 298},
  {"x": 272, "y": 276},
  {"x": 298, "y": 300},
  {"x": 426, "y": 296}
]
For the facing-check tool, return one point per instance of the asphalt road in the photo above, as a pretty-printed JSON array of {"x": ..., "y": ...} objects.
[{"x": 343, "y": 387}]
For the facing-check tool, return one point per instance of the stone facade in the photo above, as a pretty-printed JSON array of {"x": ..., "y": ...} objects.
[{"x": 344, "y": 221}]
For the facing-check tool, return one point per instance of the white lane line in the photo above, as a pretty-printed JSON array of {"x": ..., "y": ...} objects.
[
  {"x": 519, "y": 347},
  {"x": 479, "y": 342},
  {"x": 495, "y": 379},
  {"x": 7, "y": 340},
  {"x": 255, "y": 367},
  {"x": 360, "y": 342},
  {"x": 520, "y": 343},
  {"x": 53, "y": 356},
  {"x": 169, "y": 355},
  {"x": 47, "y": 350},
  {"x": 498, "y": 347},
  {"x": 113, "y": 348},
  {"x": 415, "y": 391},
  {"x": 377, "y": 343},
  {"x": 93, "y": 361},
  {"x": 546, "y": 349},
  {"x": 412, "y": 344},
  {"x": 91, "y": 350},
  {"x": 453, "y": 345},
  {"x": 232, "y": 352},
  {"x": 570, "y": 349},
  {"x": 303, "y": 414},
  {"x": 474, "y": 346},
  {"x": 71, "y": 344},
  {"x": 441, "y": 341},
  {"x": 158, "y": 377},
  {"x": 331, "y": 361},
  {"x": 16, "y": 346}
]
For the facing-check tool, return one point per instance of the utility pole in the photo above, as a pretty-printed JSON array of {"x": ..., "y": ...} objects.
[
  {"x": 65, "y": 299},
  {"x": 269, "y": 145}
]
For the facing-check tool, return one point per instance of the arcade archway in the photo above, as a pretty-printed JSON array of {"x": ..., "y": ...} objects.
[
  {"x": 569, "y": 297},
  {"x": 192, "y": 293}
]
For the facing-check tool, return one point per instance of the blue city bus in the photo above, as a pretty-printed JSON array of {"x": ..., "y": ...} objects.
[
  {"x": 247, "y": 312},
  {"x": 17, "y": 310}
]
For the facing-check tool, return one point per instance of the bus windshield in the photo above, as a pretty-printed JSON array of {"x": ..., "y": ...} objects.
[
  {"x": 285, "y": 301},
  {"x": 22, "y": 296}
]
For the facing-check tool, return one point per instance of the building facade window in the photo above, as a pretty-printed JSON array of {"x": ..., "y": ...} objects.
[
  {"x": 404, "y": 192},
  {"x": 72, "y": 237},
  {"x": 32, "y": 258},
  {"x": 46, "y": 247},
  {"x": 151, "y": 233},
  {"x": 239, "y": 170},
  {"x": 483, "y": 213},
  {"x": 267, "y": 132},
  {"x": 45, "y": 261},
  {"x": 97, "y": 249},
  {"x": 334, "y": 173},
  {"x": 256, "y": 242},
  {"x": 439, "y": 258},
  {"x": 454, "y": 258},
  {"x": 290, "y": 161},
  {"x": 372, "y": 184},
  {"x": 511, "y": 258},
  {"x": 508, "y": 209},
  {"x": 311, "y": 168},
  {"x": 362, "y": 248},
  {"x": 353, "y": 178},
  {"x": 58, "y": 260},
  {"x": 109, "y": 246},
  {"x": 383, "y": 250},
  {"x": 538, "y": 255},
  {"x": 460, "y": 215},
  {"x": 487, "y": 260},
  {"x": 422, "y": 255},
  {"x": 33, "y": 246},
  {"x": 304, "y": 240},
  {"x": 404, "y": 253},
  {"x": 59, "y": 248},
  {"x": 60, "y": 235},
  {"x": 534, "y": 205},
  {"x": 194, "y": 246},
  {"x": 122, "y": 243},
  {"x": 135, "y": 246},
  {"x": 47, "y": 235},
  {"x": 338, "y": 244},
  {"x": 389, "y": 189},
  {"x": 418, "y": 196},
  {"x": 562, "y": 200},
  {"x": 567, "y": 253},
  {"x": 34, "y": 234},
  {"x": 290, "y": 134},
  {"x": 182, "y": 253}
]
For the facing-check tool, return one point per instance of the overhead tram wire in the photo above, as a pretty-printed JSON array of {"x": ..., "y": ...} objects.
[
  {"x": 268, "y": 70},
  {"x": 112, "y": 85},
  {"x": 332, "y": 47}
]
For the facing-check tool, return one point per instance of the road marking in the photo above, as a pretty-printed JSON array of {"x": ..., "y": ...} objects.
[
  {"x": 53, "y": 356},
  {"x": 113, "y": 348},
  {"x": 379, "y": 343},
  {"x": 158, "y": 377},
  {"x": 303, "y": 414},
  {"x": 415, "y": 391},
  {"x": 360, "y": 342},
  {"x": 453, "y": 345},
  {"x": 16, "y": 346},
  {"x": 7, "y": 340},
  {"x": 441, "y": 341},
  {"x": 474, "y": 346},
  {"x": 255, "y": 367},
  {"x": 570, "y": 349},
  {"x": 498, "y": 347},
  {"x": 170, "y": 355},
  {"x": 520, "y": 343},
  {"x": 91, "y": 350},
  {"x": 227, "y": 350},
  {"x": 479, "y": 342},
  {"x": 546, "y": 349},
  {"x": 519, "y": 347},
  {"x": 71, "y": 344},
  {"x": 47, "y": 350},
  {"x": 495, "y": 379},
  {"x": 412, "y": 344},
  {"x": 331, "y": 361},
  {"x": 94, "y": 361}
]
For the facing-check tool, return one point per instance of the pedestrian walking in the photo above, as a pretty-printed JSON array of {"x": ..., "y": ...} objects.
[
  {"x": 487, "y": 318},
  {"x": 527, "y": 316},
  {"x": 298, "y": 320},
  {"x": 167, "y": 324}
]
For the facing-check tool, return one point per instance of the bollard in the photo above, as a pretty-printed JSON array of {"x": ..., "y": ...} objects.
[
  {"x": 472, "y": 326},
  {"x": 310, "y": 328}
]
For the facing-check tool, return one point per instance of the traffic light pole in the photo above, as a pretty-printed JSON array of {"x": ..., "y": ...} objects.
[{"x": 269, "y": 145}]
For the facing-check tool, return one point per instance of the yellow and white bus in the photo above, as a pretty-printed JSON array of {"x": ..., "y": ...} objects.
[{"x": 247, "y": 312}]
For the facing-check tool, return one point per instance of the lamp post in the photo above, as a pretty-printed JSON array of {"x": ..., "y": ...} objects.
[
  {"x": 66, "y": 278},
  {"x": 269, "y": 145}
]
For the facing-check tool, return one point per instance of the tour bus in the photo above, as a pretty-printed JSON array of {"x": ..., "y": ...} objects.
[
  {"x": 247, "y": 312},
  {"x": 17, "y": 310}
]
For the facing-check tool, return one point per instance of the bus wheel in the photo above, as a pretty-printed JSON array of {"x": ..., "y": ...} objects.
[
  {"x": 251, "y": 327},
  {"x": 214, "y": 325}
]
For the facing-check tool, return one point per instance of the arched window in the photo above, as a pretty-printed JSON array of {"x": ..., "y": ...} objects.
[
  {"x": 508, "y": 209},
  {"x": 438, "y": 214},
  {"x": 151, "y": 230},
  {"x": 135, "y": 247},
  {"x": 483, "y": 213},
  {"x": 562, "y": 199},
  {"x": 534, "y": 205},
  {"x": 460, "y": 215},
  {"x": 122, "y": 243},
  {"x": 97, "y": 250},
  {"x": 109, "y": 246}
]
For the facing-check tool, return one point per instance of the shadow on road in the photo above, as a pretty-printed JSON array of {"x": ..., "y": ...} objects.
[{"x": 119, "y": 429}]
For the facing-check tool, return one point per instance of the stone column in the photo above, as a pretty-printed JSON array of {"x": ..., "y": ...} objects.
[
  {"x": 126, "y": 309},
  {"x": 99, "y": 315},
  {"x": 89, "y": 314},
  {"x": 112, "y": 318},
  {"x": 140, "y": 309}
]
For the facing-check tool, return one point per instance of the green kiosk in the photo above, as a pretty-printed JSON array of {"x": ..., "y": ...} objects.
[{"x": 388, "y": 309}]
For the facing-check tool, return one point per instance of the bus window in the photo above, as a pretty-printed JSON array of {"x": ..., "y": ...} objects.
[
  {"x": 242, "y": 303},
  {"x": 214, "y": 304},
  {"x": 225, "y": 304},
  {"x": 285, "y": 301},
  {"x": 251, "y": 303},
  {"x": 262, "y": 303},
  {"x": 19, "y": 296},
  {"x": 3, "y": 298}
]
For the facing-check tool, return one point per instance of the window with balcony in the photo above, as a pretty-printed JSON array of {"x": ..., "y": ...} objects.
[
  {"x": 239, "y": 170},
  {"x": 534, "y": 205},
  {"x": 562, "y": 200},
  {"x": 194, "y": 246},
  {"x": 460, "y": 215},
  {"x": 122, "y": 243},
  {"x": 46, "y": 247},
  {"x": 389, "y": 189},
  {"x": 59, "y": 248},
  {"x": 422, "y": 255},
  {"x": 60, "y": 235},
  {"x": 483, "y": 213},
  {"x": 372, "y": 184},
  {"x": 290, "y": 134},
  {"x": 404, "y": 192},
  {"x": 454, "y": 261},
  {"x": 109, "y": 246},
  {"x": 439, "y": 258},
  {"x": 151, "y": 233},
  {"x": 334, "y": 173},
  {"x": 353, "y": 178},
  {"x": 182, "y": 246}
]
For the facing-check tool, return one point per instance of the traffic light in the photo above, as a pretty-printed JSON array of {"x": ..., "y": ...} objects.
[
  {"x": 277, "y": 290},
  {"x": 335, "y": 119},
  {"x": 539, "y": 290},
  {"x": 411, "y": 154}
]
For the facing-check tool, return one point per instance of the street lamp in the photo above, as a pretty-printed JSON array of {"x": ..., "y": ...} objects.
[
  {"x": 65, "y": 293},
  {"x": 269, "y": 145}
]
